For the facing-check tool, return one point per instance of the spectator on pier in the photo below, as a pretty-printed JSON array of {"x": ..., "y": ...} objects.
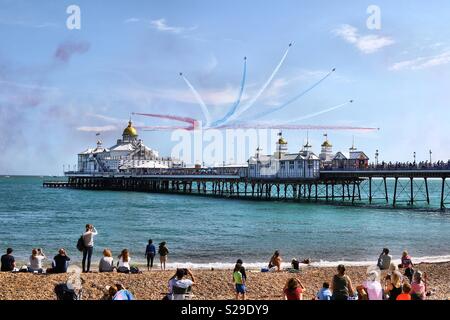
[
  {"x": 8, "y": 261},
  {"x": 325, "y": 292},
  {"x": 418, "y": 287},
  {"x": 123, "y": 265},
  {"x": 37, "y": 255},
  {"x": 393, "y": 285},
  {"x": 384, "y": 260},
  {"x": 163, "y": 252},
  {"x": 405, "y": 295},
  {"x": 150, "y": 252},
  {"x": 239, "y": 281},
  {"x": 341, "y": 285},
  {"x": 60, "y": 262},
  {"x": 372, "y": 286},
  {"x": 88, "y": 238},
  {"x": 293, "y": 289},
  {"x": 106, "y": 263},
  {"x": 275, "y": 261},
  {"x": 407, "y": 265}
]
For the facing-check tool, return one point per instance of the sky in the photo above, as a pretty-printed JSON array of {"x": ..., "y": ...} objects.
[{"x": 60, "y": 86}]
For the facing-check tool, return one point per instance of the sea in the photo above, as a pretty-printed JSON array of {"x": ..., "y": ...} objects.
[{"x": 205, "y": 232}]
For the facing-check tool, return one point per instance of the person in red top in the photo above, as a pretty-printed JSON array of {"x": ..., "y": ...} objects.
[
  {"x": 405, "y": 292},
  {"x": 293, "y": 290}
]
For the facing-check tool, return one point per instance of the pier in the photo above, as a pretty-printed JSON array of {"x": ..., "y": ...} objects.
[{"x": 382, "y": 188}]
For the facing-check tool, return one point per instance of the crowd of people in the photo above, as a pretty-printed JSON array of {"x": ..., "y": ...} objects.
[{"x": 395, "y": 285}]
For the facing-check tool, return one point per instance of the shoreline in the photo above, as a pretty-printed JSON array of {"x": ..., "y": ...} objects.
[{"x": 211, "y": 285}]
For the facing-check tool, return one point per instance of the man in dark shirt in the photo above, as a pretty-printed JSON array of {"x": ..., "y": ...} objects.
[
  {"x": 8, "y": 261},
  {"x": 61, "y": 262}
]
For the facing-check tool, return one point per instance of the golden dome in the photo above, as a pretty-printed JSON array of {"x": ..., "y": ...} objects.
[
  {"x": 130, "y": 130},
  {"x": 327, "y": 144},
  {"x": 282, "y": 141}
]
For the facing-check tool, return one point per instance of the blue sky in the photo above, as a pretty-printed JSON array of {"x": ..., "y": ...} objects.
[{"x": 59, "y": 86}]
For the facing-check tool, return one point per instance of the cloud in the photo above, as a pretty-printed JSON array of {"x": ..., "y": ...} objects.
[
  {"x": 65, "y": 50},
  {"x": 422, "y": 62},
  {"x": 161, "y": 25},
  {"x": 98, "y": 129},
  {"x": 26, "y": 24},
  {"x": 366, "y": 44}
]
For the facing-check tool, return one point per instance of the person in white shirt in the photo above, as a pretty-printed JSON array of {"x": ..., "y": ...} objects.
[
  {"x": 36, "y": 260},
  {"x": 179, "y": 286},
  {"x": 88, "y": 238},
  {"x": 372, "y": 286},
  {"x": 123, "y": 265}
]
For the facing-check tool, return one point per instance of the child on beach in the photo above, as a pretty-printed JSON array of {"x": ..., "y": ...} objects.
[
  {"x": 407, "y": 265},
  {"x": 150, "y": 252},
  {"x": 293, "y": 289},
  {"x": 325, "y": 292},
  {"x": 239, "y": 281},
  {"x": 405, "y": 292},
  {"x": 163, "y": 252}
]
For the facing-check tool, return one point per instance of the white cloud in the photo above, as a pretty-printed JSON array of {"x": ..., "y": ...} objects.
[
  {"x": 365, "y": 43},
  {"x": 131, "y": 20},
  {"x": 161, "y": 25},
  {"x": 423, "y": 62},
  {"x": 97, "y": 129}
]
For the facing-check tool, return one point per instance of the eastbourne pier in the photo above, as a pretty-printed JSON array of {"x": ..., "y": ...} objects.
[{"x": 334, "y": 178}]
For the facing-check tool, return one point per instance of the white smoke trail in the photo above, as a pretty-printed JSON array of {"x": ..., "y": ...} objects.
[
  {"x": 199, "y": 100},
  {"x": 315, "y": 114},
  {"x": 261, "y": 91}
]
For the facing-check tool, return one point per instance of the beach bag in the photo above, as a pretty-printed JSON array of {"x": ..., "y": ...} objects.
[
  {"x": 63, "y": 292},
  {"x": 134, "y": 270},
  {"x": 80, "y": 244}
]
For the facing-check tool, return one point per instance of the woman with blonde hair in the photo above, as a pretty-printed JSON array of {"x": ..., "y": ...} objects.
[
  {"x": 393, "y": 285},
  {"x": 37, "y": 255},
  {"x": 106, "y": 262},
  {"x": 123, "y": 265}
]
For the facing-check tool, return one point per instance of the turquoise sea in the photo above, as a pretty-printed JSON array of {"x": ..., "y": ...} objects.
[{"x": 212, "y": 232}]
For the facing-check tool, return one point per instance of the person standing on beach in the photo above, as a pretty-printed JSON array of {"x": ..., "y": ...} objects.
[
  {"x": 341, "y": 285},
  {"x": 239, "y": 281},
  {"x": 163, "y": 252},
  {"x": 275, "y": 261},
  {"x": 8, "y": 261},
  {"x": 150, "y": 252},
  {"x": 88, "y": 238},
  {"x": 384, "y": 260},
  {"x": 242, "y": 270}
]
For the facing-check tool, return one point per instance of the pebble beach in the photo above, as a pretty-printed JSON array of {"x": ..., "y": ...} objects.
[{"x": 211, "y": 284}]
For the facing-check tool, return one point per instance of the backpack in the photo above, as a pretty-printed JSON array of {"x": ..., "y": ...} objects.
[
  {"x": 63, "y": 292},
  {"x": 80, "y": 244}
]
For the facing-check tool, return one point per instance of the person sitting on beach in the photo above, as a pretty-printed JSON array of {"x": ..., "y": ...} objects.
[
  {"x": 122, "y": 293},
  {"x": 180, "y": 287},
  {"x": 123, "y": 265},
  {"x": 295, "y": 264},
  {"x": 418, "y": 287},
  {"x": 37, "y": 255},
  {"x": 293, "y": 289},
  {"x": 8, "y": 261},
  {"x": 150, "y": 252},
  {"x": 325, "y": 292},
  {"x": 239, "y": 281},
  {"x": 163, "y": 252},
  {"x": 384, "y": 260},
  {"x": 406, "y": 289},
  {"x": 60, "y": 262},
  {"x": 407, "y": 265},
  {"x": 275, "y": 261},
  {"x": 88, "y": 238},
  {"x": 341, "y": 285},
  {"x": 393, "y": 285},
  {"x": 372, "y": 286},
  {"x": 106, "y": 263}
]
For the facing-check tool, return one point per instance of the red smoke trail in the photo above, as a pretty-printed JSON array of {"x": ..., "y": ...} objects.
[
  {"x": 296, "y": 127},
  {"x": 164, "y": 128}
]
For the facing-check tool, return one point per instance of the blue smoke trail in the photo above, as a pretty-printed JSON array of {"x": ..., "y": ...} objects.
[
  {"x": 238, "y": 101},
  {"x": 315, "y": 114},
  {"x": 294, "y": 98},
  {"x": 263, "y": 88},
  {"x": 199, "y": 100}
]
